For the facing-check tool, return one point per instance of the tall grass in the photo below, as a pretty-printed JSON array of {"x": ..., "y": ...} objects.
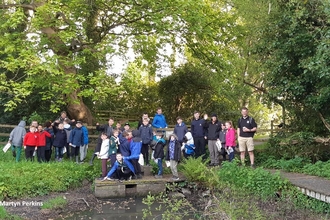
[{"x": 32, "y": 178}]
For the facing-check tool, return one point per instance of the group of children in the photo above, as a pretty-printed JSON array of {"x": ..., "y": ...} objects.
[
  {"x": 39, "y": 141},
  {"x": 121, "y": 146},
  {"x": 124, "y": 148}
]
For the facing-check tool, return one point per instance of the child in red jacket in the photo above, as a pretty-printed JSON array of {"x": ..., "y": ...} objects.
[
  {"x": 30, "y": 143},
  {"x": 41, "y": 147}
]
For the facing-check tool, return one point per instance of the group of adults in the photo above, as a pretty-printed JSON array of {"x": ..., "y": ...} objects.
[{"x": 206, "y": 132}]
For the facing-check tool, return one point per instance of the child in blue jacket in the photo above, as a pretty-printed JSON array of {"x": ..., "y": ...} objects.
[
  {"x": 121, "y": 170},
  {"x": 135, "y": 148},
  {"x": 76, "y": 140}
]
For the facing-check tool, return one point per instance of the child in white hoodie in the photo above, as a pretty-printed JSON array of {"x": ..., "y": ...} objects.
[
  {"x": 188, "y": 145},
  {"x": 103, "y": 155}
]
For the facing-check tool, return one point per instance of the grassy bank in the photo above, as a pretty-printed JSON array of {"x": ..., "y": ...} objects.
[
  {"x": 238, "y": 192},
  {"x": 28, "y": 179}
]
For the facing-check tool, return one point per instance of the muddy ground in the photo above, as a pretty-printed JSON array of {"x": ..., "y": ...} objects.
[
  {"x": 80, "y": 199},
  {"x": 83, "y": 199}
]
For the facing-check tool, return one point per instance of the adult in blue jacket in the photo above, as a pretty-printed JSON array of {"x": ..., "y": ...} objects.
[
  {"x": 159, "y": 120},
  {"x": 122, "y": 169}
]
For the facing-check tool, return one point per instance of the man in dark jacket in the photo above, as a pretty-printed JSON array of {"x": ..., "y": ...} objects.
[
  {"x": 146, "y": 135},
  {"x": 144, "y": 117},
  {"x": 198, "y": 133},
  {"x": 213, "y": 129}
]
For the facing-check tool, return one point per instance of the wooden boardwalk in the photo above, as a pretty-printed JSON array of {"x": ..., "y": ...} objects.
[{"x": 312, "y": 186}]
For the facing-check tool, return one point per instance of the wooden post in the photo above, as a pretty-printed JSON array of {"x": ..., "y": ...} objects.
[{"x": 271, "y": 128}]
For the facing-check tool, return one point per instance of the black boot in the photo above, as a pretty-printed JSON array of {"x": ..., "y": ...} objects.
[{"x": 91, "y": 162}]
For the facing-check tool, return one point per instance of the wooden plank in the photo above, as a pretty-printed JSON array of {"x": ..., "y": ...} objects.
[{"x": 4, "y": 134}]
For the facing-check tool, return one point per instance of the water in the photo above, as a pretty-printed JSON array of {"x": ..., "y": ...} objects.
[{"x": 118, "y": 209}]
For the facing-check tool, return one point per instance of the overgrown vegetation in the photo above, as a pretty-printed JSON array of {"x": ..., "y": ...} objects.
[
  {"x": 234, "y": 192},
  {"x": 289, "y": 146},
  {"x": 32, "y": 178}
]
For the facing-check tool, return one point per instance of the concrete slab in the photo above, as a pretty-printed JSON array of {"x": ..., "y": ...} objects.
[{"x": 139, "y": 187}]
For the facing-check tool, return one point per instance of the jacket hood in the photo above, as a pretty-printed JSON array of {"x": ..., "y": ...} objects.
[
  {"x": 162, "y": 140},
  {"x": 122, "y": 139},
  {"x": 189, "y": 137},
  {"x": 22, "y": 124},
  {"x": 216, "y": 121},
  {"x": 176, "y": 137},
  {"x": 136, "y": 133},
  {"x": 136, "y": 136}
]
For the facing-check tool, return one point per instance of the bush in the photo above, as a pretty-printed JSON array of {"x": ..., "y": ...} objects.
[
  {"x": 195, "y": 170},
  {"x": 300, "y": 144}
]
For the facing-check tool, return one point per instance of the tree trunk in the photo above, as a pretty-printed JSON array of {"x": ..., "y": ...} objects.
[
  {"x": 78, "y": 110},
  {"x": 75, "y": 105}
]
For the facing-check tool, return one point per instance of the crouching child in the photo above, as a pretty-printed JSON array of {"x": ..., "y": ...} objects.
[
  {"x": 188, "y": 146},
  {"x": 121, "y": 170}
]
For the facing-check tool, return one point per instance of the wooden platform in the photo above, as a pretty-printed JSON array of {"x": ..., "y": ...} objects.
[{"x": 137, "y": 187}]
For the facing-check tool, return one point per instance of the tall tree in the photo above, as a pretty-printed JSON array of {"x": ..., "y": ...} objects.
[
  {"x": 65, "y": 48},
  {"x": 291, "y": 50}
]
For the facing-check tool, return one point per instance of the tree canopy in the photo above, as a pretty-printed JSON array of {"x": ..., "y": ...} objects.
[
  {"x": 62, "y": 49},
  {"x": 59, "y": 55}
]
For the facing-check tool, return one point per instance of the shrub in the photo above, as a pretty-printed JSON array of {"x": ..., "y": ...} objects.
[
  {"x": 257, "y": 181},
  {"x": 195, "y": 170}
]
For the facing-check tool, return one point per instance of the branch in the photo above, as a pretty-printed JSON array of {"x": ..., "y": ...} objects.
[
  {"x": 261, "y": 89},
  {"x": 26, "y": 6},
  {"x": 61, "y": 14},
  {"x": 326, "y": 124}
]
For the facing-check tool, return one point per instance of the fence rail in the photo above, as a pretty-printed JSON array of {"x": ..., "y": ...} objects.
[
  {"x": 104, "y": 115},
  {"x": 94, "y": 134}
]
